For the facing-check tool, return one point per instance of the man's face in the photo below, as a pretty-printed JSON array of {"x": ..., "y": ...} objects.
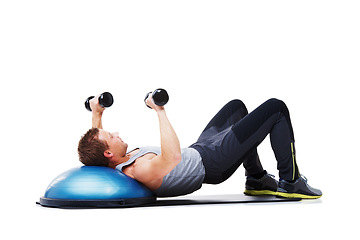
[{"x": 116, "y": 144}]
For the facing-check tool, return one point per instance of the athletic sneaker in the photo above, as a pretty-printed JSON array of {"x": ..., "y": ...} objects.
[
  {"x": 298, "y": 189},
  {"x": 266, "y": 185}
]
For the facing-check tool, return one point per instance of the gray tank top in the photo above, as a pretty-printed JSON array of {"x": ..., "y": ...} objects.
[{"x": 185, "y": 178}]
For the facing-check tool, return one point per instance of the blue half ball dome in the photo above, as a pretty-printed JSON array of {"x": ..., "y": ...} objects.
[{"x": 90, "y": 186}]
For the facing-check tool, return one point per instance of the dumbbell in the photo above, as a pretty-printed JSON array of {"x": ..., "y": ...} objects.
[
  {"x": 160, "y": 97},
  {"x": 105, "y": 100}
]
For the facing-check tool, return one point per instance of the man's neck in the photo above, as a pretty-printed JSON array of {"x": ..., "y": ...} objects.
[{"x": 114, "y": 163}]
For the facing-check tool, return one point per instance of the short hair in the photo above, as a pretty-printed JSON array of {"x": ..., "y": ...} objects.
[{"x": 91, "y": 149}]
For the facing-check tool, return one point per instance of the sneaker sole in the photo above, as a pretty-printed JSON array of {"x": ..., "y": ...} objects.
[
  {"x": 260, "y": 192},
  {"x": 296, "y": 195}
]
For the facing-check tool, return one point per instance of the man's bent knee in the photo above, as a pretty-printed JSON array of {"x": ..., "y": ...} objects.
[
  {"x": 237, "y": 104},
  {"x": 277, "y": 104}
]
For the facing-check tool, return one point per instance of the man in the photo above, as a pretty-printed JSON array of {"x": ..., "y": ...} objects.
[{"x": 230, "y": 139}]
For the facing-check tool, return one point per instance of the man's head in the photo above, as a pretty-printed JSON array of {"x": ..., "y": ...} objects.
[{"x": 101, "y": 148}]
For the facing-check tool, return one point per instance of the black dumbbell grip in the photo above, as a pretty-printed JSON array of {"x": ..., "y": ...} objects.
[
  {"x": 160, "y": 97},
  {"x": 105, "y": 100}
]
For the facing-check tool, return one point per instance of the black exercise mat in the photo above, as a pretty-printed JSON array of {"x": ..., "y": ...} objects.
[
  {"x": 160, "y": 202},
  {"x": 217, "y": 199}
]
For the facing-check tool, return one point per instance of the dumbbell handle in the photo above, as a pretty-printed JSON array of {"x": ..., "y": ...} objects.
[
  {"x": 105, "y": 100},
  {"x": 160, "y": 97}
]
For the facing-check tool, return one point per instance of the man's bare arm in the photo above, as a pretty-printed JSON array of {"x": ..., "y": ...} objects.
[
  {"x": 161, "y": 165},
  {"x": 170, "y": 145},
  {"x": 97, "y": 112},
  {"x": 96, "y": 120}
]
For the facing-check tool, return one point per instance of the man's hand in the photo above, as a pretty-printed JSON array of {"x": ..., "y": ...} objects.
[
  {"x": 95, "y": 106},
  {"x": 97, "y": 112},
  {"x": 150, "y": 102}
]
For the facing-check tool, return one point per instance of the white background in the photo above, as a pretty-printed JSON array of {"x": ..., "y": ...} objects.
[{"x": 54, "y": 54}]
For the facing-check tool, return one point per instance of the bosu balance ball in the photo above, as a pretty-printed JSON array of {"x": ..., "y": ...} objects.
[{"x": 90, "y": 186}]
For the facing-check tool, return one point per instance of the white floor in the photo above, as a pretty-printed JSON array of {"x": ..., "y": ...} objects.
[{"x": 54, "y": 54}]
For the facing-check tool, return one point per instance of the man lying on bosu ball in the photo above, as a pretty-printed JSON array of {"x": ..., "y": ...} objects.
[{"x": 229, "y": 140}]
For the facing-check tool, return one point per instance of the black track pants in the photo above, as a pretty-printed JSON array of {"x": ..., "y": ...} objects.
[{"x": 232, "y": 136}]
